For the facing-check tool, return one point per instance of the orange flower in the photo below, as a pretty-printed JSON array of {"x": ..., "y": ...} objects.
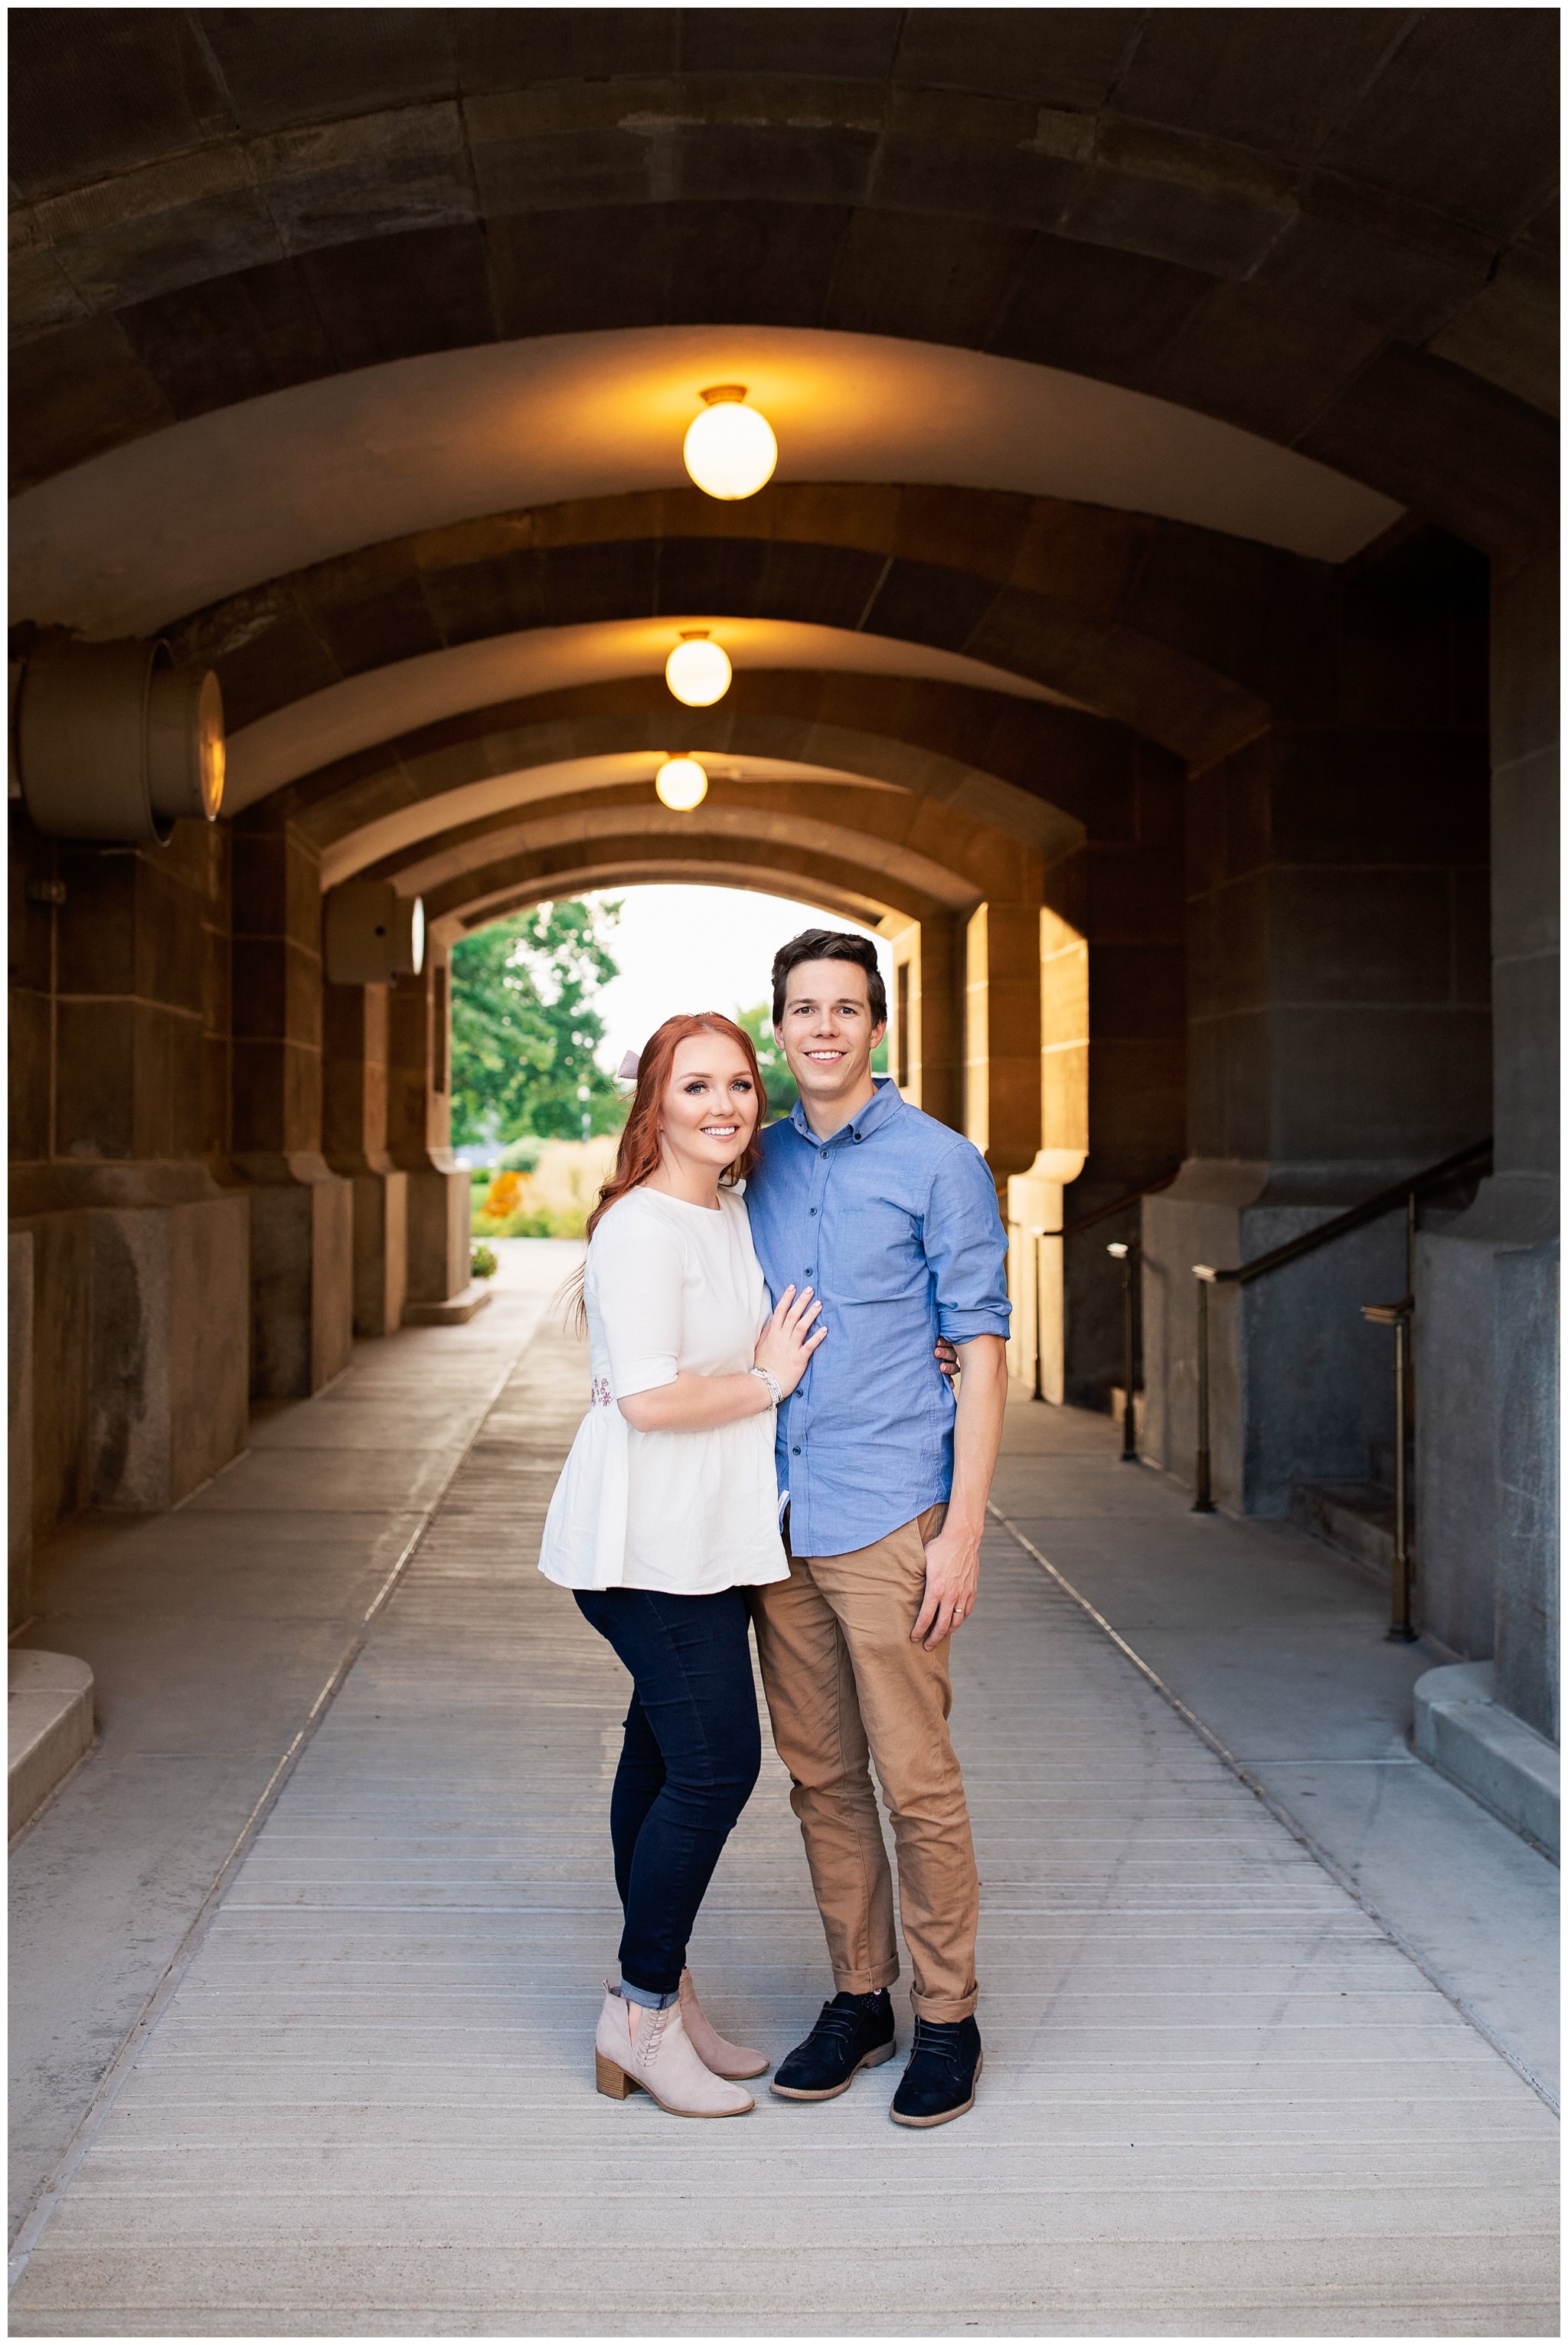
[{"x": 503, "y": 1196}]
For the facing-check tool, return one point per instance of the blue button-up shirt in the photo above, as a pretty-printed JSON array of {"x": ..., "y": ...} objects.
[{"x": 893, "y": 1223}]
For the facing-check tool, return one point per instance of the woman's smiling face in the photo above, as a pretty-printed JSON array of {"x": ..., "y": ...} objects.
[{"x": 711, "y": 1105}]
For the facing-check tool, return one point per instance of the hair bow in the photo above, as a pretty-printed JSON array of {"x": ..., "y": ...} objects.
[{"x": 627, "y": 1070}]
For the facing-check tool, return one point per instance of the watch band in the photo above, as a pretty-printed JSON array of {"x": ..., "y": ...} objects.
[{"x": 772, "y": 1382}]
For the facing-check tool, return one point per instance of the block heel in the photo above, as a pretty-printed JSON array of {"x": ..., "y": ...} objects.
[{"x": 613, "y": 2080}]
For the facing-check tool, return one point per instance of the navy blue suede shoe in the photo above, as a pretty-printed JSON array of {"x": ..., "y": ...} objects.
[
  {"x": 852, "y": 2032},
  {"x": 939, "y": 2085}
]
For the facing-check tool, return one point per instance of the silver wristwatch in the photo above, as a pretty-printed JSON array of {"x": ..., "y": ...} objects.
[{"x": 772, "y": 1382}]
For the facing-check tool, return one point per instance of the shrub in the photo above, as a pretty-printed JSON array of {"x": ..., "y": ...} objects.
[{"x": 483, "y": 1262}]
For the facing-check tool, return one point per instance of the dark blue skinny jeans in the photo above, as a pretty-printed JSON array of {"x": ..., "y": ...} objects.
[{"x": 691, "y": 1757}]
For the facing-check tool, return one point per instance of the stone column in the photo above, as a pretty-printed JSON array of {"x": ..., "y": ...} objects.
[
  {"x": 1113, "y": 974},
  {"x": 1002, "y": 1035},
  {"x": 931, "y": 953},
  {"x": 1338, "y": 1039},
  {"x": 1486, "y": 1317},
  {"x": 354, "y": 1132},
  {"x": 419, "y": 1130},
  {"x": 1037, "y": 1353},
  {"x": 140, "y": 1255},
  {"x": 301, "y": 1211}
]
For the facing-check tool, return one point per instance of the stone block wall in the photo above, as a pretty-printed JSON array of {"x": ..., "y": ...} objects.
[
  {"x": 1338, "y": 1018},
  {"x": 137, "y": 1343}
]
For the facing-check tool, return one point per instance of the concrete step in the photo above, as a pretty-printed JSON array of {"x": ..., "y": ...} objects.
[
  {"x": 1469, "y": 1737},
  {"x": 455, "y": 1312},
  {"x": 51, "y": 1725},
  {"x": 1355, "y": 1519}
]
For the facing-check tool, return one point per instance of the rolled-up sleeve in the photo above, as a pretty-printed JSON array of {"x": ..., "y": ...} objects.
[
  {"x": 967, "y": 1248},
  {"x": 639, "y": 1277}
]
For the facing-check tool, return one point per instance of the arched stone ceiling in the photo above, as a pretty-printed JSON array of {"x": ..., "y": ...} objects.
[
  {"x": 387, "y": 701},
  {"x": 1042, "y": 774},
  {"x": 657, "y": 862},
  {"x": 1331, "y": 228},
  {"x": 780, "y": 868},
  {"x": 890, "y": 851},
  {"x": 388, "y": 842},
  {"x": 1185, "y": 635},
  {"x": 293, "y": 479}
]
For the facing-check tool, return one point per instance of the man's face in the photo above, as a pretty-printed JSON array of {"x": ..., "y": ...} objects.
[{"x": 827, "y": 1033}]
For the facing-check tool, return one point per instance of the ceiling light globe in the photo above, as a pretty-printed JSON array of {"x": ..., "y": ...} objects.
[
  {"x": 698, "y": 672},
  {"x": 682, "y": 784},
  {"x": 730, "y": 450}
]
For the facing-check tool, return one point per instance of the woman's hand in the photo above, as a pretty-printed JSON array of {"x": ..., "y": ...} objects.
[{"x": 788, "y": 1341}]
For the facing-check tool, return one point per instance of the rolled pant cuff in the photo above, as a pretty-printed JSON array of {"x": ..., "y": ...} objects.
[
  {"x": 866, "y": 1981},
  {"x": 651, "y": 1998},
  {"x": 943, "y": 2009}
]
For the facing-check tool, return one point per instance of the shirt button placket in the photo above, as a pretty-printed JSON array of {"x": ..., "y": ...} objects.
[{"x": 819, "y": 1172}]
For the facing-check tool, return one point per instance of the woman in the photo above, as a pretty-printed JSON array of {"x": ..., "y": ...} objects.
[{"x": 666, "y": 1512}]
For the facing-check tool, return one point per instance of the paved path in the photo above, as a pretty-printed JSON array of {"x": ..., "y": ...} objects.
[
  {"x": 1219, "y": 2099},
  {"x": 213, "y": 1631}
]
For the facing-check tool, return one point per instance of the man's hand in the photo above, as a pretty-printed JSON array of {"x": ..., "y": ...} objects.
[
  {"x": 952, "y": 1579},
  {"x": 952, "y": 1557}
]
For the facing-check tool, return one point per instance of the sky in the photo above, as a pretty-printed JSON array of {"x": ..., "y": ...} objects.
[{"x": 687, "y": 949}]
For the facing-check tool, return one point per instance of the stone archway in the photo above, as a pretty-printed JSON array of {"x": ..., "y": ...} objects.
[
  {"x": 976, "y": 257},
  {"x": 1238, "y": 215}
]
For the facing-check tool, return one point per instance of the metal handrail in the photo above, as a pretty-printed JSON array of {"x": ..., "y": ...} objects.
[
  {"x": 1119, "y": 1205},
  {"x": 1401, "y": 1315},
  {"x": 1354, "y": 1217}
]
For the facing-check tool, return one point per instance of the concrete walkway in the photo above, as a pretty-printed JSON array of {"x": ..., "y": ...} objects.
[
  {"x": 212, "y": 1633},
  {"x": 1220, "y": 2098}
]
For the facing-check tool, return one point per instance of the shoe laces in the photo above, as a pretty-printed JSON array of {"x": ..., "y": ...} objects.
[
  {"x": 834, "y": 2023},
  {"x": 937, "y": 2039},
  {"x": 655, "y": 2034}
]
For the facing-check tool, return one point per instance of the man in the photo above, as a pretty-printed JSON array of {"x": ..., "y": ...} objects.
[{"x": 892, "y": 1218}]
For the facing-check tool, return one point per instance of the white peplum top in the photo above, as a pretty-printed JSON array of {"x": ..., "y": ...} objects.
[{"x": 668, "y": 1287}]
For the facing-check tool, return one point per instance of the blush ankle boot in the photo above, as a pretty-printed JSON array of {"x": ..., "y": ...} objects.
[
  {"x": 636, "y": 2049},
  {"x": 713, "y": 2050}
]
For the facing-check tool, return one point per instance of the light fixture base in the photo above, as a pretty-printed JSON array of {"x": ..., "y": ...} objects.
[{"x": 723, "y": 394}]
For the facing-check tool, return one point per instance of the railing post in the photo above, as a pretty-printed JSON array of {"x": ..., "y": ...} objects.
[
  {"x": 1401, "y": 1628},
  {"x": 1398, "y": 1316},
  {"x": 1203, "y": 1503},
  {"x": 1127, "y": 1255}
]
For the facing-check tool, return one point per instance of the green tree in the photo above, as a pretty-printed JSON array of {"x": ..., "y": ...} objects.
[
  {"x": 524, "y": 1028},
  {"x": 778, "y": 1080}
]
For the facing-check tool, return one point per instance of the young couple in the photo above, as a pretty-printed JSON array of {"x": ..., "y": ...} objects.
[{"x": 804, "y": 1469}]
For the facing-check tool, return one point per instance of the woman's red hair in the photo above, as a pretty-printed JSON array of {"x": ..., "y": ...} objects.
[{"x": 642, "y": 1148}]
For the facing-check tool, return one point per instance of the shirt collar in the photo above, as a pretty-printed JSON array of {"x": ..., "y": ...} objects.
[{"x": 885, "y": 1102}]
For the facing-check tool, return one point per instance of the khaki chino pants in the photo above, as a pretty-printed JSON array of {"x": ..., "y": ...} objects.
[{"x": 845, "y": 1685}]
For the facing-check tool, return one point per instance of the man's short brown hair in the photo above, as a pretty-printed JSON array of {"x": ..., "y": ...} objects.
[{"x": 830, "y": 944}]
